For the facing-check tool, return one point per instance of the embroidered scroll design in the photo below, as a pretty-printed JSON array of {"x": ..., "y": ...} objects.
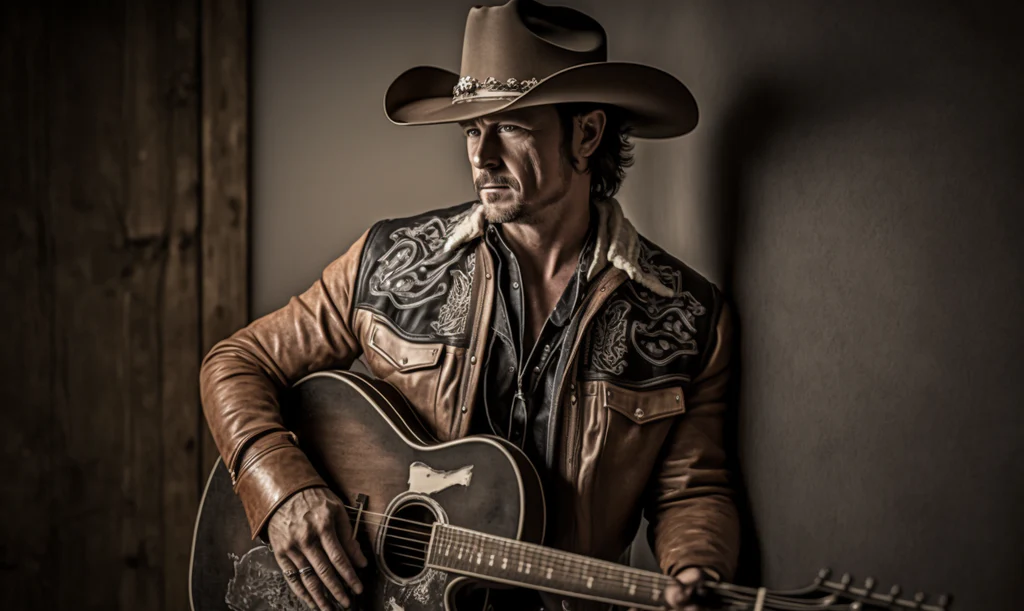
[
  {"x": 451, "y": 320},
  {"x": 668, "y": 334},
  {"x": 609, "y": 347},
  {"x": 641, "y": 322},
  {"x": 414, "y": 271}
]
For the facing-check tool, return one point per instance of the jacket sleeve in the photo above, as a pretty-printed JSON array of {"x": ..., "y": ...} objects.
[
  {"x": 242, "y": 375},
  {"x": 693, "y": 519}
]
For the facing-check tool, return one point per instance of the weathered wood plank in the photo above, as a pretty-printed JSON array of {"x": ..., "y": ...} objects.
[
  {"x": 180, "y": 323},
  {"x": 91, "y": 362},
  {"x": 26, "y": 309},
  {"x": 225, "y": 141}
]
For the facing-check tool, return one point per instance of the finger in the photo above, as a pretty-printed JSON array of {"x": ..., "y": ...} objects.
[
  {"x": 350, "y": 543},
  {"x": 337, "y": 556},
  {"x": 312, "y": 582},
  {"x": 674, "y": 595},
  {"x": 329, "y": 575},
  {"x": 291, "y": 576}
]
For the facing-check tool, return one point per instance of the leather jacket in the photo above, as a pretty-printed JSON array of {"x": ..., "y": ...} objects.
[{"x": 638, "y": 416}]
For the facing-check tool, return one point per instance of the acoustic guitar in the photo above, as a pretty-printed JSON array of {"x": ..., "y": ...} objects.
[{"x": 448, "y": 523}]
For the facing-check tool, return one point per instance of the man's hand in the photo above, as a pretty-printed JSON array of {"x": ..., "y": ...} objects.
[
  {"x": 678, "y": 595},
  {"x": 312, "y": 540}
]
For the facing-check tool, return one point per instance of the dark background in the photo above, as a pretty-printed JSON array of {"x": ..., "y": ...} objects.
[{"x": 855, "y": 184}]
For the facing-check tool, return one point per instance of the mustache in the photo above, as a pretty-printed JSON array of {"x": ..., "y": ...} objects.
[{"x": 495, "y": 179}]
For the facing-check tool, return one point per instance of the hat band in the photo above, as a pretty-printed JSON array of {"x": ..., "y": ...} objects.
[{"x": 469, "y": 89}]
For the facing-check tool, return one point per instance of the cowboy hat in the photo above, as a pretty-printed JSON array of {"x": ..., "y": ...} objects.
[{"x": 524, "y": 54}]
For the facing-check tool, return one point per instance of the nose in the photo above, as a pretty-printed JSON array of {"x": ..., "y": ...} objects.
[{"x": 483, "y": 152}]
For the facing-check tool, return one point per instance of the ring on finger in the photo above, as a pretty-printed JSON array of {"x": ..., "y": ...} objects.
[
  {"x": 306, "y": 570},
  {"x": 290, "y": 574}
]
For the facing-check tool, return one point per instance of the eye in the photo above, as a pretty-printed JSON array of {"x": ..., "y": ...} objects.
[
  {"x": 472, "y": 132},
  {"x": 507, "y": 128}
]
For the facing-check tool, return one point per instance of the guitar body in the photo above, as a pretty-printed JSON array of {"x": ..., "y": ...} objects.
[{"x": 371, "y": 449}]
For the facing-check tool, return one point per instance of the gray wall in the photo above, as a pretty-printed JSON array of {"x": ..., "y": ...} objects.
[{"x": 854, "y": 183}]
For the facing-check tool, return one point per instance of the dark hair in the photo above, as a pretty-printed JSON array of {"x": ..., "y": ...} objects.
[{"x": 613, "y": 155}]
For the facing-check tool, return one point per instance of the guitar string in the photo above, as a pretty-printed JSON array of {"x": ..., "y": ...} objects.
[
  {"x": 570, "y": 565},
  {"x": 550, "y": 555},
  {"x": 555, "y": 557},
  {"x": 427, "y": 534},
  {"x": 651, "y": 579}
]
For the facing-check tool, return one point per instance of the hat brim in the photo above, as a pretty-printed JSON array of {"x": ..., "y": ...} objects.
[{"x": 655, "y": 103}]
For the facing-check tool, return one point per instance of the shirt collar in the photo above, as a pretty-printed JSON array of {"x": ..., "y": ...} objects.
[{"x": 576, "y": 288}]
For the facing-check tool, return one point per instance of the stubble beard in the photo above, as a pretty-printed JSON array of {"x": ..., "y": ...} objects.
[{"x": 515, "y": 210}]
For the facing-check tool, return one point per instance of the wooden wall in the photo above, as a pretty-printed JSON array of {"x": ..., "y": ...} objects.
[{"x": 123, "y": 227}]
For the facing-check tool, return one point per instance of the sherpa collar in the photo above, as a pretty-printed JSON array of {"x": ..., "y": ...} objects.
[{"x": 617, "y": 243}]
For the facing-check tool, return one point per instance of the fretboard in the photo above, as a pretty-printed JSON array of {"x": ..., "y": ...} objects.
[{"x": 512, "y": 562}]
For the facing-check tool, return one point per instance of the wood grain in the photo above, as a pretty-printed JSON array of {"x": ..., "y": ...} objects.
[
  {"x": 107, "y": 275},
  {"x": 225, "y": 169}
]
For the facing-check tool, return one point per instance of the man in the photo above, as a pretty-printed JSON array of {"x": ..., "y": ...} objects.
[{"x": 536, "y": 313}]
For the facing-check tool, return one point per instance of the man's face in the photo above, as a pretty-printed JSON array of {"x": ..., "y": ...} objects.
[{"x": 519, "y": 164}]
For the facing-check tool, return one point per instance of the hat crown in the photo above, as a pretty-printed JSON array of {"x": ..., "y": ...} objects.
[{"x": 524, "y": 39}]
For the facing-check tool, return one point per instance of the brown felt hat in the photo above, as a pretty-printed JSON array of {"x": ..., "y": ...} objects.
[{"x": 523, "y": 54}]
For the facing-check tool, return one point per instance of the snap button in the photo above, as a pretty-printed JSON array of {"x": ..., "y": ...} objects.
[
  {"x": 677, "y": 398},
  {"x": 472, "y": 359},
  {"x": 488, "y": 276},
  {"x": 608, "y": 394},
  {"x": 463, "y": 409},
  {"x": 572, "y": 399},
  {"x": 536, "y": 369},
  {"x": 515, "y": 285},
  {"x": 639, "y": 413}
]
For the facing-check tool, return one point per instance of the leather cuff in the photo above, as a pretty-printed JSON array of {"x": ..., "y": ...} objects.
[{"x": 272, "y": 469}]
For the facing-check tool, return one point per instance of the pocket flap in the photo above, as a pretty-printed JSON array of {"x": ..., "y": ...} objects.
[
  {"x": 643, "y": 406},
  {"x": 403, "y": 354}
]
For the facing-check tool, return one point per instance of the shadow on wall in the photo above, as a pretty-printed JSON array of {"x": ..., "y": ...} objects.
[{"x": 764, "y": 107}]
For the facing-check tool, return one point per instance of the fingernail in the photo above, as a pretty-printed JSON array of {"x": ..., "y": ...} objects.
[{"x": 358, "y": 589}]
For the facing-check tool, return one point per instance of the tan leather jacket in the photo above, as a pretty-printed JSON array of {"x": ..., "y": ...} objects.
[{"x": 639, "y": 412}]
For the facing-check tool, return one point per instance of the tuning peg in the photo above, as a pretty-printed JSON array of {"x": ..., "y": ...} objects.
[
  {"x": 945, "y": 600},
  {"x": 823, "y": 574},
  {"x": 869, "y": 584},
  {"x": 919, "y": 599},
  {"x": 894, "y": 591},
  {"x": 845, "y": 580}
]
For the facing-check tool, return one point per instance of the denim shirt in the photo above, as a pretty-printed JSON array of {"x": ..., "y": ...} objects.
[{"x": 518, "y": 385}]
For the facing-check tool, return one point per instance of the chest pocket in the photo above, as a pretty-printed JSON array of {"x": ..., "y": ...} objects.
[
  {"x": 643, "y": 406},
  {"x": 401, "y": 355}
]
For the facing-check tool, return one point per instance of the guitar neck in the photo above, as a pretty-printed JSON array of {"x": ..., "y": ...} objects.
[{"x": 511, "y": 562}]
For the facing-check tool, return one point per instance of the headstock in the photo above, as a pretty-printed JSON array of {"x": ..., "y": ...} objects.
[{"x": 823, "y": 594}]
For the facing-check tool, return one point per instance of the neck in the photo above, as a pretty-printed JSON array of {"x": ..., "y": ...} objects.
[
  {"x": 491, "y": 558},
  {"x": 552, "y": 239}
]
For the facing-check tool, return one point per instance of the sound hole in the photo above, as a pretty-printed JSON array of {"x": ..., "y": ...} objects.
[{"x": 406, "y": 539}]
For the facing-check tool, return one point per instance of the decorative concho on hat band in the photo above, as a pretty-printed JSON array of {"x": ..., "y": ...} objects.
[{"x": 470, "y": 89}]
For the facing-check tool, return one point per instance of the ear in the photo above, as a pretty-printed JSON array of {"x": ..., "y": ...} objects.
[{"x": 587, "y": 132}]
